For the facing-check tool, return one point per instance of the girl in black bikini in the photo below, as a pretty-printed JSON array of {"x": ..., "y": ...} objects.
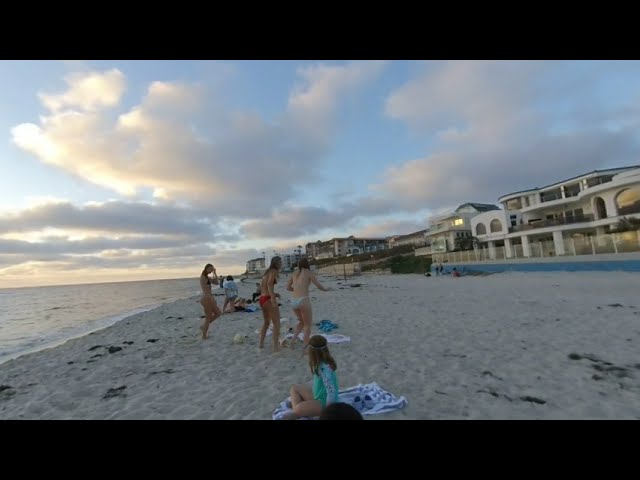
[{"x": 211, "y": 309}]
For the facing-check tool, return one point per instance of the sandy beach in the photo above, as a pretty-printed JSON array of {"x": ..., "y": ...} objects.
[{"x": 504, "y": 346}]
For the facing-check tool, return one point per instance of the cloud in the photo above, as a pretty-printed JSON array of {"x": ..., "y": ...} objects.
[
  {"x": 88, "y": 91},
  {"x": 291, "y": 221},
  {"x": 173, "y": 144},
  {"x": 390, "y": 227},
  {"x": 115, "y": 217},
  {"x": 503, "y": 126}
]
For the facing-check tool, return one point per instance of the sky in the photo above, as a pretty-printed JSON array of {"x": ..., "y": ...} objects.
[{"x": 136, "y": 170}]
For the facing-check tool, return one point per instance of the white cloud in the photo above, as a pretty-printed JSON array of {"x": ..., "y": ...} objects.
[{"x": 88, "y": 91}]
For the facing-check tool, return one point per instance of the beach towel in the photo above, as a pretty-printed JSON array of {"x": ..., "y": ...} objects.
[
  {"x": 251, "y": 308},
  {"x": 331, "y": 338},
  {"x": 369, "y": 399},
  {"x": 326, "y": 325}
]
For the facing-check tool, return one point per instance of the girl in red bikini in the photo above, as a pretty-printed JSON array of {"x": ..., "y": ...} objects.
[{"x": 269, "y": 303}]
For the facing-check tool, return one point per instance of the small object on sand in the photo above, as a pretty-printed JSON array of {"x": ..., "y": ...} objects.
[
  {"x": 238, "y": 339},
  {"x": 615, "y": 305},
  {"x": 114, "y": 349},
  {"x": 152, "y": 340},
  {"x": 127, "y": 343},
  {"x": 94, "y": 347},
  {"x": 575, "y": 356},
  {"x": 115, "y": 392},
  {"x": 167, "y": 318}
]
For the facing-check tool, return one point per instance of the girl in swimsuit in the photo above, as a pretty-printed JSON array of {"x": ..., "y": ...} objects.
[
  {"x": 299, "y": 283},
  {"x": 211, "y": 309},
  {"x": 269, "y": 304},
  {"x": 309, "y": 402}
]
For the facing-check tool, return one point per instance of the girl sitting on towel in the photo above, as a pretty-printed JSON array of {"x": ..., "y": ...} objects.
[{"x": 309, "y": 402}]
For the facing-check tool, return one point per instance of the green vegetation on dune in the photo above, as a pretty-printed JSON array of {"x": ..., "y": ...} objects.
[{"x": 402, "y": 264}]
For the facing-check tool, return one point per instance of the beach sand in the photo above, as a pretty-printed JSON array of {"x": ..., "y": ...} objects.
[{"x": 495, "y": 347}]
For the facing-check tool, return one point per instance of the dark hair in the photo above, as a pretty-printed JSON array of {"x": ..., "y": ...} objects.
[
  {"x": 229, "y": 277},
  {"x": 204, "y": 272},
  {"x": 276, "y": 264},
  {"x": 340, "y": 411},
  {"x": 303, "y": 263}
]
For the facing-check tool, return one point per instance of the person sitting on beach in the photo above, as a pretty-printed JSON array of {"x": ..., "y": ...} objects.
[
  {"x": 269, "y": 304},
  {"x": 238, "y": 306},
  {"x": 211, "y": 309},
  {"x": 340, "y": 411},
  {"x": 310, "y": 402},
  {"x": 455, "y": 273},
  {"x": 231, "y": 293},
  {"x": 299, "y": 283}
]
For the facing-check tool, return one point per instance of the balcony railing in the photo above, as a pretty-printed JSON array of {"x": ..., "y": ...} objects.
[
  {"x": 550, "y": 197},
  {"x": 553, "y": 223},
  {"x": 611, "y": 243}
]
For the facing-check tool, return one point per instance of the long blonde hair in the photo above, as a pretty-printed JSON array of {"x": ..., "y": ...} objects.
[{"x": 319, "y": 353}]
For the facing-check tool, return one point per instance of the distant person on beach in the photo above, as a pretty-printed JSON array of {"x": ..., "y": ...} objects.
[
  {"x": 455, "y": 273},
  {"x": 299, "y": 283},
  {"x": 211, "y": 309},
  {"x": 340, "y": 411},
  {"x": 269, "y": 304},
  {"x": 310, "y": 402},
  {"x": 230, "y": 292},
  {"x": 256, "y": 294}
]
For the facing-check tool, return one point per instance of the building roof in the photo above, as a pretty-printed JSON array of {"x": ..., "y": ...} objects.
[
  {"x": 419, "y": 232},
  {"x": 480, "y": 207},
  {"x": 606, "y": 170}
]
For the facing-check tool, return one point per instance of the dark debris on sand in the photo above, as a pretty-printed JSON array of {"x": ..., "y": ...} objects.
[
  {"x": 114, "y": 349},
  {"x": 115, "y": 392},
  {"x": 95, "y": 347},
  {"x": 153, "y": 340}
]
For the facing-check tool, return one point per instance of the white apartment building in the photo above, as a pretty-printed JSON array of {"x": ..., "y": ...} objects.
[
  {"x": 562, "y": 218},
  {"x": 446, "y": 228}
]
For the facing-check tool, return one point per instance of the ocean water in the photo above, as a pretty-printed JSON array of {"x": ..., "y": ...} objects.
[{"x": 35, "y": 318}]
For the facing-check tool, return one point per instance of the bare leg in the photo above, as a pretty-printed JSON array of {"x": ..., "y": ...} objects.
[
  {"x": 302, "y": 402},
  {"x": 275, "y": 319},
  {"x": 299, "y": 326},
  {"x": 265, "y": 324},
  {"x": 299, "y": 394},
  {"x": 208, "y": 316},
  {"x": 307, "y": 319},
  {"x": 224, "y": 307}
]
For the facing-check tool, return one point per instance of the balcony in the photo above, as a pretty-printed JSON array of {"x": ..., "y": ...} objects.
[{"x": 553, "y": 223}]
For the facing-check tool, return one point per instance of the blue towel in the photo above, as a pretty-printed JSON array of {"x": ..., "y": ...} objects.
[
  {"x": 326, "y": 326},
  {"x": 368, "y": 399}
]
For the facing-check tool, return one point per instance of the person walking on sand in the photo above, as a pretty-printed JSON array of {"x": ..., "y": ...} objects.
[
  {"x": 231, "y": 293},
  {"x": 269, "y": 304},
  {"x": 299, "y": 283},
  {"x": 211, "y": 309}
]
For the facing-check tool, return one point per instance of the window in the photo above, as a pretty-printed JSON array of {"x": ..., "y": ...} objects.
[
  {"x": 628, "y": 201},
  {"x": 514, "y": 204},
  {"x": 481, "y": 229},
  {"x": 495, "y": 225},
  {"x": 457, "y": 222}
]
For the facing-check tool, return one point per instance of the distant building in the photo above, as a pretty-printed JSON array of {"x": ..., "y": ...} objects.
[
  {"x": 256, "y": 265},
  {"x": 559, "y": 216},
  {"x": 446, "y": 228},
  {"x": 416, "y": 239},
  {"x": 340, "y": 247}
]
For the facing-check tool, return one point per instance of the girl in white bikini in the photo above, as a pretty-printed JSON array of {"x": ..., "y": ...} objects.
[{"x": 299, "y": 283}]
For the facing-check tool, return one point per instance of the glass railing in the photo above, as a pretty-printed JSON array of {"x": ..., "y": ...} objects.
[
  {"x": 614, "y": 243},
  {"x": 553, "y": 222}
]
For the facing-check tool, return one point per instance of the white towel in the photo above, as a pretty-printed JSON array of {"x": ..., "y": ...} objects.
[
  {"x": 368, "y": 399},
  {"x": 331, "y": 337}
]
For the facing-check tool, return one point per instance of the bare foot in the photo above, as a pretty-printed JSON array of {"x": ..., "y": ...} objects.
[{"x": 289, "y": 416}]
